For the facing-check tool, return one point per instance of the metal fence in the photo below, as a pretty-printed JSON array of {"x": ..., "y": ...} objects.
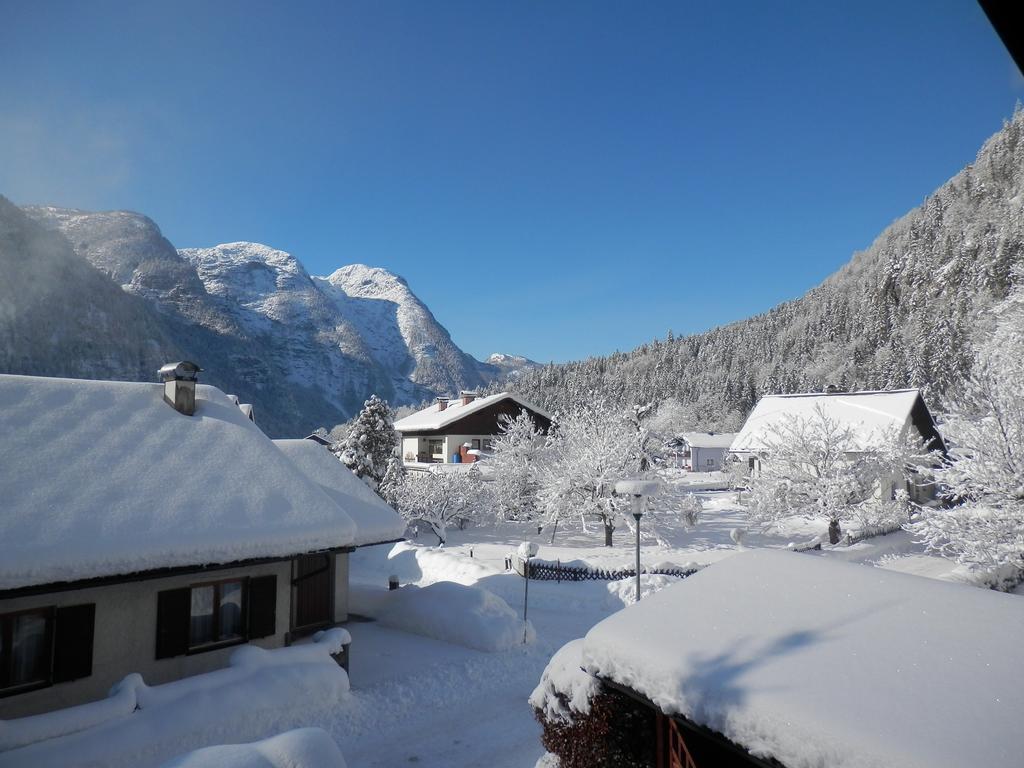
[{"x": 548, "y": 571}]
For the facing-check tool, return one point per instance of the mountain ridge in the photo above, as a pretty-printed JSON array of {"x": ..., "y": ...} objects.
[{"x": 305, "y": 350}]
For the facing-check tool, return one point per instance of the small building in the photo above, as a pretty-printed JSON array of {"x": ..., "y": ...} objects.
[
  {"x": 700, "y": 451},
  {"x": 772, "y": 658},
  {"x": 462, "y": 429},
  {"x": 872, "y": 416},
  {"x": 146, "y": 529}
]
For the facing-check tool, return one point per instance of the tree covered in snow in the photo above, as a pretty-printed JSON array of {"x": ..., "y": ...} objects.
[
  {"x": 984, "y": 476},
  {"x": 818, "y": 468},
  {"x": 370, "y": 443},
  {"x": 442, "y": 499},
  {"x": 394, "y": 477},
  {"x": 518, "y": 451},
  {"x": 588, "y": 450}
]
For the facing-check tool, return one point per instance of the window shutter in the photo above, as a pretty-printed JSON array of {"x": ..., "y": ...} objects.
[
  {"x": 262, "y": 606},
  {"x": 173, "y": 608},
  {"x": 72, "y": 642}
]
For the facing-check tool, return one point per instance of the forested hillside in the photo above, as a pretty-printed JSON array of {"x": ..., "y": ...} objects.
[{"x": 905, "y": 312}]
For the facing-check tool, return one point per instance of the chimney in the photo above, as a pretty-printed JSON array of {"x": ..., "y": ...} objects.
[
  {"x": 442, "y": 403},
  {"x": 467, "y": 397},
  {"x": 180, "y": 386}
]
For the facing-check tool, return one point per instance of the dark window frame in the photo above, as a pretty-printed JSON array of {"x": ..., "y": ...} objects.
[
  {"x": 6, "y": 646},
  {"x": 213, "y": 645}
]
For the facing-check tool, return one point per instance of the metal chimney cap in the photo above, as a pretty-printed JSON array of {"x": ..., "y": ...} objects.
[{"x": 183, "y": 370}]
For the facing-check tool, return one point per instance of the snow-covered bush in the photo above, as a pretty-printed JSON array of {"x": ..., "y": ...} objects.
[
  {"x": 370, "y": 443},
  {"x": 441, "y": 499},
  {"x": 587, "y": 725},
  {"x": 984, "y": 474}
]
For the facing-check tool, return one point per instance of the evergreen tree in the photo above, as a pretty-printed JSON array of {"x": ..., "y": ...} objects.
[{"x": 370, "y": 443}]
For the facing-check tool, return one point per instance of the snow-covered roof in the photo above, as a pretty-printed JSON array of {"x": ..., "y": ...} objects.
[
  {"x": 871, "y": 415},
  {"x": 99, "y": 478},
  {"x": 709, "y": 439},
  {"x": 818, "y": 662},
  {"x": 430, "y": 418},
  {"x": 375, "y": 521}
]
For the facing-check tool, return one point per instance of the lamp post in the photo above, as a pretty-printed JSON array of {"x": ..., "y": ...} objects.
[
  {"x": 638, "y": 512},
  {"x": 639, "y": 490},
  {"x": 526, "y": 550}
]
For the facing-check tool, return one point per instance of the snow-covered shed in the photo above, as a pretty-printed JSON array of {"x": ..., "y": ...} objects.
[
  {"x": 461, "y": 429},
  {"x": 701, "y": 451},
  {"x": 137, "y": 538},
  {"x": 872, "y": 417},
  {"x": 816, "y": 662}
]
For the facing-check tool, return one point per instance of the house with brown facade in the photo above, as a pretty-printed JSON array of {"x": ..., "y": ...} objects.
[
  {"x": 153, "y": 528},
  {"x": 460, "y": 430}
]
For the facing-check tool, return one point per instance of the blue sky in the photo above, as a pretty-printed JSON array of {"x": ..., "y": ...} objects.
[{"x": 553, "y": 179}]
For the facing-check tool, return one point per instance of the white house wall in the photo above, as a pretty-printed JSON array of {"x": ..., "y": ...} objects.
[
  {"x": 700, "y": 456},
  {"x": 124, "y": 638}
]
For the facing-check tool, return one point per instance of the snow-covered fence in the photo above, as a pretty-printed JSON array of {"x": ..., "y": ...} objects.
[{"x": 555, "y": 570}]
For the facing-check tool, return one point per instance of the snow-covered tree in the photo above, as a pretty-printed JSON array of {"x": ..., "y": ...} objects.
[
  {"x": 370, "y": 442},
  {"x": 517, "y": 453},
  {"x": 441, "y": 499},
  {"x": 984, "y": 475},
  {"x": 394, "y": 478},
  {"x": 588, "y": 450},
  {"x": 646, "y": 444},
  {"x": 819, "y": 468}
]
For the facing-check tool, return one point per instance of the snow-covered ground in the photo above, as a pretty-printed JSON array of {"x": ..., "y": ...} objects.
[{"x": 422, "y": 691}]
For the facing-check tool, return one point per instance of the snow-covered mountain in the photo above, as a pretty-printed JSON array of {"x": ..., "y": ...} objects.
[
  {"x": 305, "y": 350},
  {"x": 59, "y": 316},
  {"x": 510, "y": 366},
  {"x": 400, "y": 332}
]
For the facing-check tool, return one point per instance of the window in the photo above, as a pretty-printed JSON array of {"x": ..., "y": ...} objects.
[
  {"x": 45, "y": 645},
  {"x": 488, "y": 444},
  {"x": 436, "y": 448},
  {"x": 216, "y": 613},
  {"x": 25, "y": 649},
  {"x": 208, "y": 616},
  {"x": 475, "y": 443}
]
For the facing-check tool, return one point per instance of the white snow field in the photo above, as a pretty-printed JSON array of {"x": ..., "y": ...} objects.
[
  {"x": 423, "y": 692},
  {"x": 300, "y": 748}
]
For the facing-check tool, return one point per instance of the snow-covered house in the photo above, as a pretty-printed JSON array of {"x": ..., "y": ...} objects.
[
  {"x": 137, "y": 538},
  {"x": 872, "y": 416},
  {"x": 460, "y": 429},
  {"x": 701, "y": 451},
  {"x": 805, "y": 660}
]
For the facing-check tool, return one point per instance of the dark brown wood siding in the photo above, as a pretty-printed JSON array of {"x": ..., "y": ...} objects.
[
  {"x": 486, "y": 421},
  {"x": 262, "y": 606},
  {"x": 72, "y": 642},
  {"x": 173, "y": 607},
  {"x": 314, "y": 597}
]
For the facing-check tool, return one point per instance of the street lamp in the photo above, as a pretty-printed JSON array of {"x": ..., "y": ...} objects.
[
  {"x": 639, "y": 490},
  {"x": 527, "y": 550}
]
